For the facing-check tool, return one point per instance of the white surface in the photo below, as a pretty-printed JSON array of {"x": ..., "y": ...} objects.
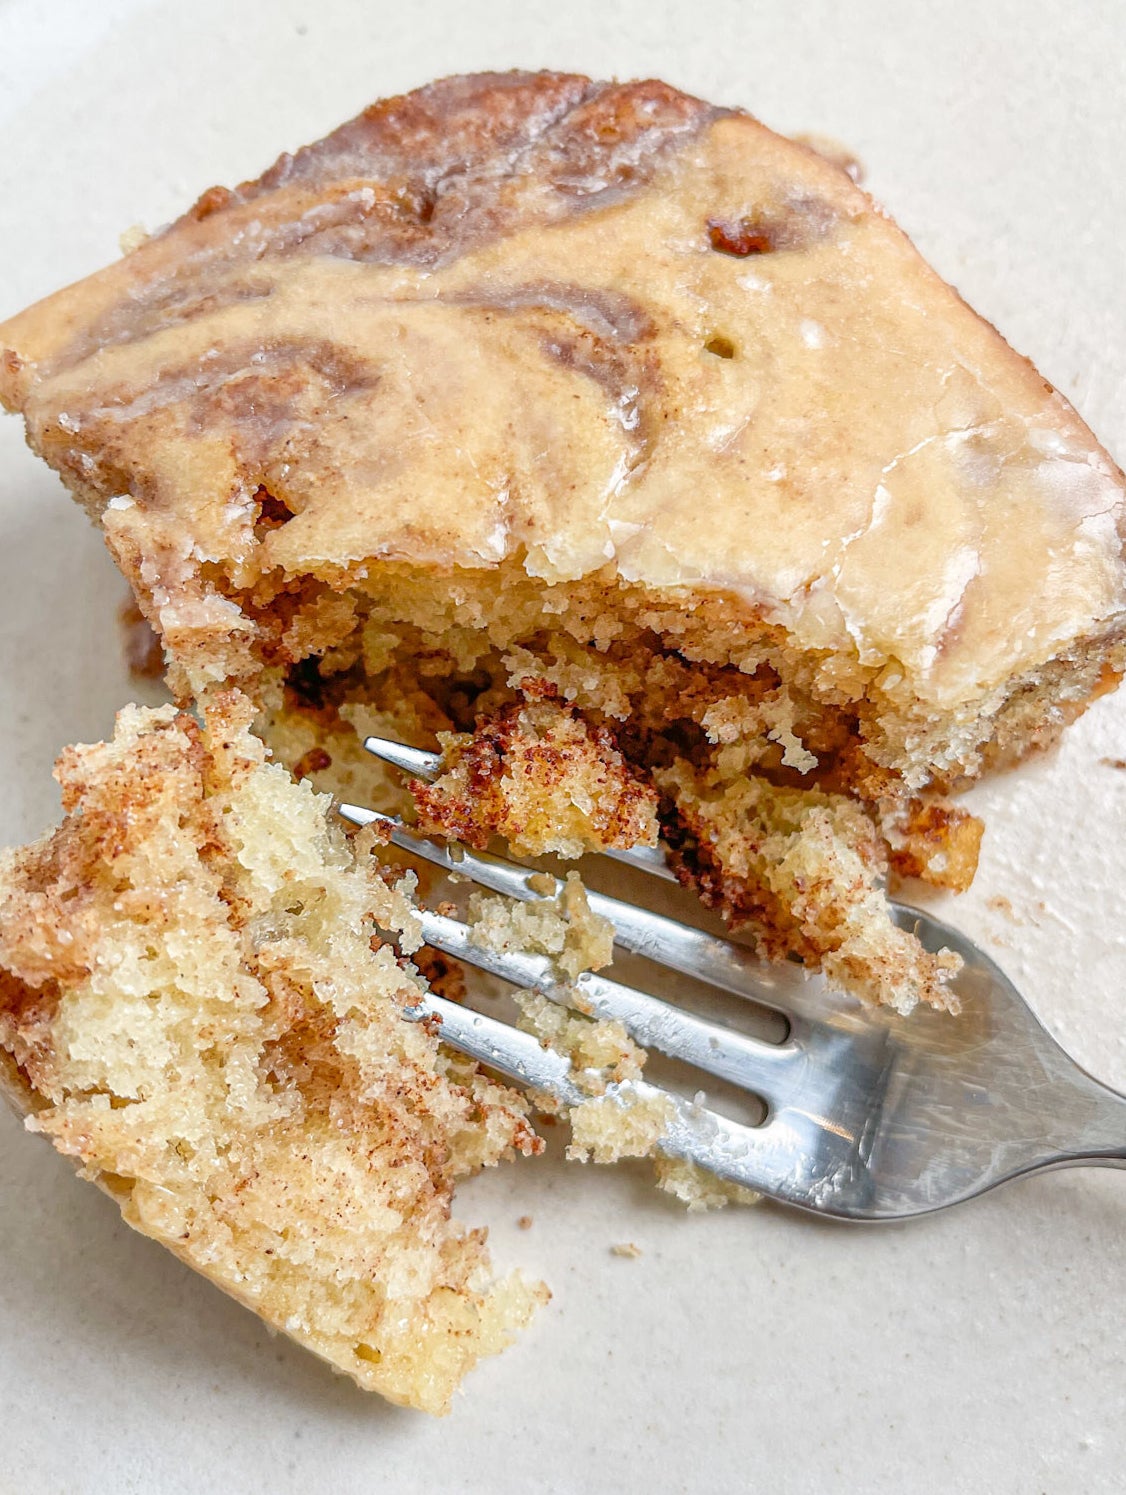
[{"x": 980, "y": 1350}]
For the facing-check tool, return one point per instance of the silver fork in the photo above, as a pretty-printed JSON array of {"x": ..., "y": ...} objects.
[{"x": 869, "y": 1116}]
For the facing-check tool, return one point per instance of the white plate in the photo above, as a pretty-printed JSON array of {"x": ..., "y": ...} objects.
[{"x": 979, "y": 1350}]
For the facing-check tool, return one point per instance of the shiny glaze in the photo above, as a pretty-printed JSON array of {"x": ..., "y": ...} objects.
[{"x": 587, "y": 326}]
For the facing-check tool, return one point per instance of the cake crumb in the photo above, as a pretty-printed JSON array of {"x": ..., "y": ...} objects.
[
  {"x": 626, "y": 1249},
  {"x": 936, "y": 841},
  {"x": 132, "y": 238},
  {"x": 315, "y": 760},
  {"x": 564, "y": 927},
  {"x": 600, "y": 1050},
  {"x": 525, "y": 1222},
  {"x": 607, "y": 1128},
  {"x": 802, "y": 869},
  {"x": 1113, "y": 762},
  {"x": 544, "y": 778},
  {"x": 1002, "y": 905},
  {"x": 697, "y": 1189}
]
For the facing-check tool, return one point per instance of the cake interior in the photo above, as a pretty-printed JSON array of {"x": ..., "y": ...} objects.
[
  {"x": 672, "y": 673},
  {"x": 202, "y": 987},
  {"x": 691, "y": 700}
]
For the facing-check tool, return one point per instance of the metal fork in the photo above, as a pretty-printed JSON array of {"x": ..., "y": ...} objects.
[{"x": 869, "y": 1116}]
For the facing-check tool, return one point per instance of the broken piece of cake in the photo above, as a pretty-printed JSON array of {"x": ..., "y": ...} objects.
[
  {"x": 201, "y": 1003},
  {"x": 542, "y": 777},
  {"x": 801, "y": 868}
]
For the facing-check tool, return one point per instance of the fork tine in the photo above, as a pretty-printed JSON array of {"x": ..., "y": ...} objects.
[
  {"x": 668, "y": 942},
  {"x": 518, "y": 1055},
  {"x": 411, "y": 760},
  {"x": 773, "y": 1158},
  {"x": 760, "y": 1158},
  {"x": 765, "y": 1069},
  {"x": 423, "y": 765},
  {"x": 650, "y": 859}
]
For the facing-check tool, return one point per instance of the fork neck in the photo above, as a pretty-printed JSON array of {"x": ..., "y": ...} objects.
[{"x": 1087, "y": 1126}]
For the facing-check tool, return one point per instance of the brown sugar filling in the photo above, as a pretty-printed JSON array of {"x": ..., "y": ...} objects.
[
  {"x": 433, "y": 655},
  {"x": 656, "y": 703},
  {"x": 584, "y": 717},
  {"x": 439, "y": 649}
]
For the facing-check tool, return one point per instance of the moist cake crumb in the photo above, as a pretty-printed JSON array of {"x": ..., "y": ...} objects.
[
  {"x": 543, "y": 778},
  {"x": 564, "y": 927},
  {"x": 608, "y": 1128},
  {"x": 934, "y": 840},
  {"x": 600, "y": 1050},
  {"x": 698, "y": 1190},
  {"x": 197, "y": 1005},
  {"x": 801, "y": 869}
]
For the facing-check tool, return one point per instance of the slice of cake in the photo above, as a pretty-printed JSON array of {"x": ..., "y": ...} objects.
[
  {"x": 523, "y": 378},
  {"x": 201, "y": 998}
]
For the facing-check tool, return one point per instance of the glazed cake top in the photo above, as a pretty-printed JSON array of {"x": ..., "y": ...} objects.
[{"x": 593, "y": 327}]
